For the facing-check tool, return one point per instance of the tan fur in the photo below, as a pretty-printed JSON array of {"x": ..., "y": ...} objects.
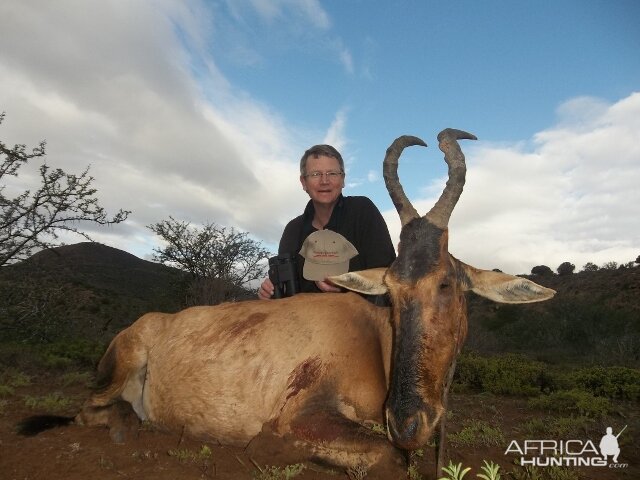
[{"x": 224, "y": 372}]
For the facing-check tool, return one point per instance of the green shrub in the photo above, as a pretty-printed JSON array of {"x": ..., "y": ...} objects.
[
  {"x": 573, "y": 401},
  {"x": 565, "y": 427},
  {"x": 56, "y": 362},
  {"x": 80, "y": 352},
  {"x": 612, "y": 382},
  {"x": 508, "y": 374},
  {"x": 76, "y": 378}
]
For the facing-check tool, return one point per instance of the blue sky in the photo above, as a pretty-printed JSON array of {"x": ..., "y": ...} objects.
[
  {"x": 201, "y": 110},
  {"x": 497, "y": 68}
]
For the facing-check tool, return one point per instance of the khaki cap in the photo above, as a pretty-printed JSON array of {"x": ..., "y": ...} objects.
[{"x": 326, "y": 253}]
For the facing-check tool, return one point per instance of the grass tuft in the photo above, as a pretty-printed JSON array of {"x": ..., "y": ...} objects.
[
  {"x": 279, "y": 473},
  {"x": 185, "y": 455},
  {"x": 477, "y": 433},
  {"x": 53, "y": 402}
]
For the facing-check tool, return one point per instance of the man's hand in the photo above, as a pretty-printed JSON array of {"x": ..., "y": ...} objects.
[
  {"x": 325, "y": 286},
  {"x": 265, "y": 292}
]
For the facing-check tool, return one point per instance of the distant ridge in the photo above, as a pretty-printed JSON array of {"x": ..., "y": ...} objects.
[
  {"x": 96, "y": 290},
  {"x": 87, "y": 253}
]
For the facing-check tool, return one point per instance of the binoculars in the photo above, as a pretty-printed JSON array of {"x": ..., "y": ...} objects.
[{"x": 283, "y": 273}]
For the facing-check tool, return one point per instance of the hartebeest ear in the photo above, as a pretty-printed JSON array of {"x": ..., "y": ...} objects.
[
  {"x": 369, "y": 282},
  {"x": 503, "y": 288}
]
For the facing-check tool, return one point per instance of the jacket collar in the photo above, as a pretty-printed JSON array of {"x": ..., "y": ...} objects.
[{"x": 334, "y": 221}]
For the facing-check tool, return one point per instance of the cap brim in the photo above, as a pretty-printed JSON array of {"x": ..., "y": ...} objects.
[{"x": 318, "y": 272}]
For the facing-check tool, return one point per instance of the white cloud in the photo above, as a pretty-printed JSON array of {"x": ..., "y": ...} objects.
[
  {"x": 346, "y": 59},
  {"x": 310, "y": 11},
  {"x": 572, "y": 197},
  {"x": 114, "y": 87},
  {"x": 336, "y": 135}
]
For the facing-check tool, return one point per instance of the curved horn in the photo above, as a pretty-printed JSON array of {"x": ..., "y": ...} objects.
[
  {"x": 391, "y": 180},
  {"x": 448, "y": 143}
]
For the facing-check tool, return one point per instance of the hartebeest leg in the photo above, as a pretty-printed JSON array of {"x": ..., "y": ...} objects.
[
  {"x": 442, "y": 437},
  {"x": 330, "y": 440},
  {"x": 117, "y": 402},
  {"x": 119, "y": 417}
]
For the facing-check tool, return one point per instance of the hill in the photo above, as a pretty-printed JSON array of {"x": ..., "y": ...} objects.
[
  {"x": 86, "y": 289},
  {"x": 594, "y": 318}
]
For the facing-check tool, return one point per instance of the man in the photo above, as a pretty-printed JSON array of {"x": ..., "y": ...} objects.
[{"x": 355, "y": 218}]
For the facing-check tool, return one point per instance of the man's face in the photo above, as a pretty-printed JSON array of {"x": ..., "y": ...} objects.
[{"x": 323, "y": 189}]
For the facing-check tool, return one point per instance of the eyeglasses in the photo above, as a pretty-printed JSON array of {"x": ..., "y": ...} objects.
[{"x": 330, "y": 175}]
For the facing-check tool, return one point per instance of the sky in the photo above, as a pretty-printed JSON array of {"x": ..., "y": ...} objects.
[{"x": 201, "y": 110}]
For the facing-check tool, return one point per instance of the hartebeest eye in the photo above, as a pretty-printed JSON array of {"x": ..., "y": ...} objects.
[{"x": 444, "y": 285}]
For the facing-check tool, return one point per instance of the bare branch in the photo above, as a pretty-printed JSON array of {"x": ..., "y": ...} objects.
[
  {"x": 210, "y": 252},
  {"x": 32, "y": 220}
]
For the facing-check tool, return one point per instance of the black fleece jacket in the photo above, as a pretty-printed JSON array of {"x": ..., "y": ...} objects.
[{"x": 355, "y": 218}]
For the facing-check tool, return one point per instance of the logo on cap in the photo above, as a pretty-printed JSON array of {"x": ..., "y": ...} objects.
[{"x": 326, "y": 253}]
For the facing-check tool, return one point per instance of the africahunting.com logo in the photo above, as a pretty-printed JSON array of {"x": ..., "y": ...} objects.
[{"x": 569, "y": 453}]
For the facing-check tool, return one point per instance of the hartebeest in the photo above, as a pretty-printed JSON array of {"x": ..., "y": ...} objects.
[{"x": 303, "y": 376}]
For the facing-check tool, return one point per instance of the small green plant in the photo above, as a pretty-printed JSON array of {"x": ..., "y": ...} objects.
[
  {"x": 454, "y": 472},
  {"x": 419, "y": 453},
  {"x": 53, "y": 402},
  {"x": 145, "y": 455},
  {"x": 477, "y": 433},
  {"x": 536, "y": 426},
  {"x": 412, "y": 472},
  {"x": 414, "y": 458},
  {"x": 378, "y": 428},
  {"x": 6, "y": 391},
  {"x": 528, "y": 472},
  {"x": 279, "y": 473},
  {"x": 490, "y": 471},
  {"x": 560, "y": 473},
  {"x": 185, "y": 455},
  {"x": 531, "y": 472},
  {"x": 14, "y": 378}
]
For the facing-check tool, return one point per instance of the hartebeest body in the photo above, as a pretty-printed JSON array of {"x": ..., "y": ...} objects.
[{"x": 313, "y": 370}]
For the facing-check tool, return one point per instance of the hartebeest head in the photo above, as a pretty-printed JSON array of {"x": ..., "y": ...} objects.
[{"x": 427, "y": 286}]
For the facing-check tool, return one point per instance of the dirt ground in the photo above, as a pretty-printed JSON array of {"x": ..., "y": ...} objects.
[{"x": 87, "y": 453}]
